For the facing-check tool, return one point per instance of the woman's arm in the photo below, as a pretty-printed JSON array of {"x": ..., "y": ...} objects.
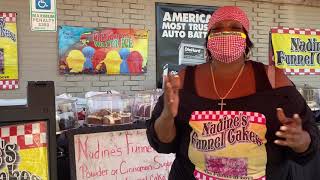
[{"x": 161, "y": 128}]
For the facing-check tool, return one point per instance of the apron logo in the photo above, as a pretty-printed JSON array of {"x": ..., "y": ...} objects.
[{"x": 227, "y": 130}]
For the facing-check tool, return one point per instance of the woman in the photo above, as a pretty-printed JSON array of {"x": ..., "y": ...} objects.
[{"x": 227, "y": 119}]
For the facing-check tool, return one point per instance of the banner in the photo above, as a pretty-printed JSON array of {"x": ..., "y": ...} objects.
[
  {"x": 181, "y": 33},
  {"x": 43, "y": 15},
  {"x": 295, "y": 50},
  {"x": 24, "y": 151},
  {"x": 102, "y": 50},
  {"x": 8, "y": 51}
]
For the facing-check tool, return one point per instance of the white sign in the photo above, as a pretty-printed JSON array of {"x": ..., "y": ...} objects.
[
  {"x": 43, "y": 15},
  {"x": 119, "y": 155}
]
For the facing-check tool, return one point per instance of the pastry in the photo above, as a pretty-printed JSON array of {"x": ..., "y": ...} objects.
[
  {"x": 116, "y": 117},
  {"x": 125, "y": 117},
  {"x": 103, "y": 112},
  {"x": 93, "y": 119}
]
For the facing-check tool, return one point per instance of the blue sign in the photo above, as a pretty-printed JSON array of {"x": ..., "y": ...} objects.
[{"x": 43, "y": 4}]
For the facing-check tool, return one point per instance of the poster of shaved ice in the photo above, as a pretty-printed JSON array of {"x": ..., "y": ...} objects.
[{"x": 110, "y": 51}]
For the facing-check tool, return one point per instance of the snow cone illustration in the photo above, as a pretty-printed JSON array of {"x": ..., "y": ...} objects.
[
  {"x": 112, "y": 62},
  {"x": 75, "y": 61},
  {"x": 124, "y": 53},
  {"x": 88, "y": 53},
  {"x": 135, "y": 62},
  {"x": 98, "y": 56}
]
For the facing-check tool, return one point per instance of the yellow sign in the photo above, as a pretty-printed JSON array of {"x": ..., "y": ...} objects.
[
  {"x": 8, "y": 51},
  {"x": 24, "y": 146},
  {"x": 296, "y": 49}
]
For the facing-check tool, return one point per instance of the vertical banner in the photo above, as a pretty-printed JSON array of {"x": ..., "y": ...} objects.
[
  {"x": 296, "y": 50},
  {"x": 181, "y": 33},
  {"x": 43, "y": 15},
  {"x": 108, "y": 51},
  {"x": 24, "y": 153},
  {"x": 8, "y": 51}
]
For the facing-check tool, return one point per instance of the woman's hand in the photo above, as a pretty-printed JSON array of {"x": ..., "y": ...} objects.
[
  {"x": 292, "y": 133},
  {"x": 164, "y": 125},
  {"x": 171, "y": 96}
]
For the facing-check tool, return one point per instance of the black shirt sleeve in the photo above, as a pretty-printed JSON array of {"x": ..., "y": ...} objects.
[
  {"x": 300, "y": 106},
  {"x": 157, "y": 145}
]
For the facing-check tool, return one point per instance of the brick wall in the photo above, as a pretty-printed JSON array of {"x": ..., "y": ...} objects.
[{"x": 38, "y": 51}]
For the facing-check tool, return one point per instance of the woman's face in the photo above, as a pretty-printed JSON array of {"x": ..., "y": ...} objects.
[{"x": 227, "y": 25}]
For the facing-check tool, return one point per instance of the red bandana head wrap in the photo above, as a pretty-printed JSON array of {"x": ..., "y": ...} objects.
[{"x": 229, "y": 13}]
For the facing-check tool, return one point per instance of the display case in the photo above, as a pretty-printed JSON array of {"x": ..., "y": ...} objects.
[
  {"x": 312, "y": 96},
  {"x": 109, "y": 109},
  {"x": 66, "y": 114},
  {"x": 144, "y": 104}
]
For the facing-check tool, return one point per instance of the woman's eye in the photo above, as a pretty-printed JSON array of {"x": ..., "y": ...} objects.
[
  {"x": 237, "y": 28},
  {"x": 216, "y": 30}
]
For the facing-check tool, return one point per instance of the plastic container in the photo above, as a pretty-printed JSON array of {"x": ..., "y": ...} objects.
[
  {"x": 109, "y": 109},
  {"x": 311, "y": 95},
  {"x": 143, "y": 105},
  {"x": 66, "y": 114},
  {"x": 157, "y": 94}
]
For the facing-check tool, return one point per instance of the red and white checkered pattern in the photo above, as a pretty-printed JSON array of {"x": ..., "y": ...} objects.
[
  {"x": 285, "y": 30},
  {"x": 229, "y": 13},
  {"x": 302, "y": 71},
  {"x": 201, "y": 176},
  {"x": 9, "y": 84},
  {"x": 227, "y": 48},
  {"x": 10, "y": 17},
  {"x": 299, "y": 31},
  {"x": 26, "y": 136},
  {"x": 255, "y": 117}
]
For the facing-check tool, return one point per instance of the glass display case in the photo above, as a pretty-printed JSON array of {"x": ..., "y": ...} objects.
[
  {"x": 66, "y": 114},
  {"x": 144, "y": 104},
  {"x": 109, "y": 109}
]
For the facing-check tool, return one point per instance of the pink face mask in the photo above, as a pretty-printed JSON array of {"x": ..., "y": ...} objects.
[{"x": 227, "y": 47}]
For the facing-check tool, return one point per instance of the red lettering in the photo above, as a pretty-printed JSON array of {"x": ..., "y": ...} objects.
[
  {"x": 97, "y": 153},
  {"x": 82, "y": 148},
  {"x": 83, "y": 170},
  {"x": 114, "y": 172},
  {"x": 96, "y": 37},
  {"x": 86, "y": 173},
  {"x": 157, "y": 166},
  {"x": 166, "y": 164},
  {"x": 122, "y": 170},
  {"x": 136, "y": 148},
  {"x": 127, "y": 141}
]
